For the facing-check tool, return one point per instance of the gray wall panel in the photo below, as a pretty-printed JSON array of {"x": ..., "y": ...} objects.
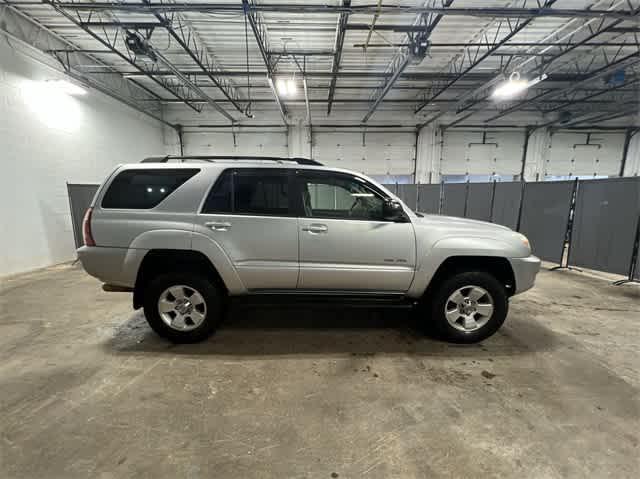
[
  {"x": 479, "y": 201},
  {"x": 545, "y": 211},
  {"x": 429, "y": 198},
  {"x": 637, "y": 272},
  {"x": 605, "y": 224},
  {"x": 80, "y": 197},
  {"x": 454, "y": 199},
  {"x": 408, "y": 194},
  {"x": 506, "y": 204}
]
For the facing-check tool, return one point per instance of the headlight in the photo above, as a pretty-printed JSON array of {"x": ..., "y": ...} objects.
[{"x": 525, "y": 240}]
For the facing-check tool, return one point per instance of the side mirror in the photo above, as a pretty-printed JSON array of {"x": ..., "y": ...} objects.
[{"x": 392, "y": 211}]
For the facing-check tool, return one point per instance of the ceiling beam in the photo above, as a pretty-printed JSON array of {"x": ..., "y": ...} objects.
[
  {"x": 473, "y": 54},
  {"x": 591, "y": 94},
  {"x": 19, "y": 27},
  {"x": 419, "y": 77},
  {"x": 260, "y": 35},
  {"x": 403, "y": 57},
  {"x": 599, "y": 118},
  {"x": 577, "y": 36},
  {"x": 335, "y": 67},
  {"x": 508, "y": 45},
  {"x": 189, "y": 40},
  {"x": 177, "y": 89},
  {"x": 615, "y": 64},
  {"x": 301, "y": 8}
]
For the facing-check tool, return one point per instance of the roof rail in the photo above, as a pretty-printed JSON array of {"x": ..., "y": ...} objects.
[{"x": 278, "y": 159}]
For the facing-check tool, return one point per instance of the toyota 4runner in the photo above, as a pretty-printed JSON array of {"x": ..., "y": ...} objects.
[{"x": 184, "y": 237}]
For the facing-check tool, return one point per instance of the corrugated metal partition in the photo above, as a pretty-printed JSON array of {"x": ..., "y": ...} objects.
[
  {"x": 545, "y": 213},
  {"x": 605, "y": 224},
  {"x": 506, "y": 204},
  {"x": 80, "y": 197},
  {"x": 454, "y": 199},
  {"x": 408, "y": 194},
  {"x": 429, "y": 199},
  {"x": 479, "y": 201}
]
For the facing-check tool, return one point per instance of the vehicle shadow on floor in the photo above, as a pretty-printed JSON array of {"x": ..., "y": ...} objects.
[{"x": 268, "y": 332}]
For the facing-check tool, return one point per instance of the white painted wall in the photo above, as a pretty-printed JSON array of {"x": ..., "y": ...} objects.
[{"x": 77, "y": 139}]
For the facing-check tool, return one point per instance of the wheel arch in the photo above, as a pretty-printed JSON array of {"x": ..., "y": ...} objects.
[
  {"x": 159, "y": 261},
  {"x": 497, "y": 266}
]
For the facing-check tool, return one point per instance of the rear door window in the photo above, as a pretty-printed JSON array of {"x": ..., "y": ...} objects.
[
  {"x": 144, "y": 188},
  {"x": 260, "y": 192}
]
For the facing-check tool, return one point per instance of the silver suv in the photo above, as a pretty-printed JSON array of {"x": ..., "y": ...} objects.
[{"x": 187, "y": 236}]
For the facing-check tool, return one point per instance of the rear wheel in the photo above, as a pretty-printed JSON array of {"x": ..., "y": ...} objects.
[
  {"x": 469, "y": 307},
  {"x": 183, "y": 307}
]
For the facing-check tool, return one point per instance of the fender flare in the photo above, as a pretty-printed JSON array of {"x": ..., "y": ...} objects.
[{"x": 451, "y": 247}]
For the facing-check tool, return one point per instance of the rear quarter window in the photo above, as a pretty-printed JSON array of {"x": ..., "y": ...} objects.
[{"x": 144, "y": 189}]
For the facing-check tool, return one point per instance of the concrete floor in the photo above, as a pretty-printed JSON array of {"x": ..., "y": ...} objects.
[{"x": 87, "y": 390}]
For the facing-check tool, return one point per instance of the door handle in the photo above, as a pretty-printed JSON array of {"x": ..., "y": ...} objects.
[
  {"x": 316, "y": 228},
  {"x": 218, "y": 225}
]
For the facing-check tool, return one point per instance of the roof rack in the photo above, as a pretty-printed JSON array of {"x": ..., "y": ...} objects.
[{"x": 278, "y": 159}]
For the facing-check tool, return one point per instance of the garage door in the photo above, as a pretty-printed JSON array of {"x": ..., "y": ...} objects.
[
  {"x": 584, "y": 154},
  {"x": 269, "y": 143},
  {"x": 375, "y": 154},
  {"x": 482, "y": 153}
]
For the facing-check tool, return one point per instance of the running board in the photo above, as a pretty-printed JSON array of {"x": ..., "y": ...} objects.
[
  {"x": 112, "y": 288},
  {"x": 324, "y": 299}
]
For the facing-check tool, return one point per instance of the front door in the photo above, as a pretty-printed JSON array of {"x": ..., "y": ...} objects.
[
  {"x": 345, "y": 243},
  {"x": 248, "y": 213}
]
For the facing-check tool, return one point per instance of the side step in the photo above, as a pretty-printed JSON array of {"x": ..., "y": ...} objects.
[
  {"x": 112, "y": 288},
  {"x": 324, "y": 300}
]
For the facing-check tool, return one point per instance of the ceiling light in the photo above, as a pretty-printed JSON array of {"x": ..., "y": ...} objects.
[
  {"x": 514, "y": 86},
  {"x": 63, "y": 86},
  {"x": 286, "y": 86},
  {"x": 291, "y": 86},
  {"x": 511, "y": 87},
  {"x": 50, "y": 104}
]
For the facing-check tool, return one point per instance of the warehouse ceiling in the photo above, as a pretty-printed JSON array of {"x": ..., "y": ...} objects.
[{"x": 352, "y": 61}]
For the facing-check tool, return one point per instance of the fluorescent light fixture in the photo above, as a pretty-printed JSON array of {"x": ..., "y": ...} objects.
[
  {"x": 281, "y": 85},
  {"x": 514, "y": 86},
  {"x": 291, "y": 86},
  {"x": 63, "y": 86},
  {"x": 286, "y": 86},
  {"x": 510, "y": 88}
]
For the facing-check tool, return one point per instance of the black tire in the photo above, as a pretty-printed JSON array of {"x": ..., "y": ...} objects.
[
  {"x": 439, "y": 301},
  {"x": 209, "y": 292}
]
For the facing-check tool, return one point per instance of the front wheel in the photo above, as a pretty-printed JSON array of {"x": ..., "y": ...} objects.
[
  {"x": 182, "y": 307},
  {"x": 469, "y": 307}
]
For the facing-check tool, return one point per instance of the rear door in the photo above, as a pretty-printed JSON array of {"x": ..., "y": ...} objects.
[
  {"x": 345, "y": 243},
  {"x": 248, "y": 212}
]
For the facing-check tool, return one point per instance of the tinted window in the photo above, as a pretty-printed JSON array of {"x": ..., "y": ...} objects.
[
  {"x": 219, "y": 199},
  {"x": 143, "y": 189},
  {"x": 264, "y": 194},
  {"x": 260, "y": 192},
  {"x": 340, "y": 197}
]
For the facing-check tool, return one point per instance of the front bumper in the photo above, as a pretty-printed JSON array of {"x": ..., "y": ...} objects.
[{"x": 525, "y": 271}]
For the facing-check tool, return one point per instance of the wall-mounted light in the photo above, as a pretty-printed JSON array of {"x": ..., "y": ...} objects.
[
  {"x": 53, "y": 103},
  {"x": 515, "y": 85},
  {"x": 68, "y": 88},
  {"x": 286, "y": 87}
]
